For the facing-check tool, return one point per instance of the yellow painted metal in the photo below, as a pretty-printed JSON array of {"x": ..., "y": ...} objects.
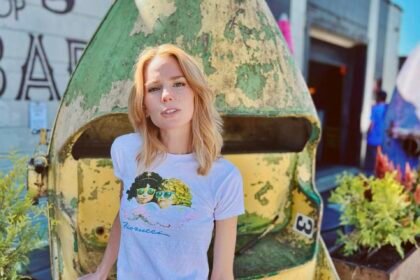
[
  {"x": 252, "y": 74},
  {"x": 266, "y": 183},
  {"x": 98, "y": 203},
  {"x": 269, "y": 191}
]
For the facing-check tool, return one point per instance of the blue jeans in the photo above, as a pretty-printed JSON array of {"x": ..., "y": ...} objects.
[{"x": 370, "y": 159}]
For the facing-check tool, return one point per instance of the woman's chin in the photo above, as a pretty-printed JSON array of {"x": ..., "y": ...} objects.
[{"x": 164, "y": 205}]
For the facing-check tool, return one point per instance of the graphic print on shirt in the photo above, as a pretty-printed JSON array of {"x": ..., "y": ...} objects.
[{"x": 161, "y": 203}]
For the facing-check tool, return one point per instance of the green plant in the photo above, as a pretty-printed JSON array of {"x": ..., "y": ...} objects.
[
  {"x": 18, "y": 234},
  {"x": 380, "y": 210}
]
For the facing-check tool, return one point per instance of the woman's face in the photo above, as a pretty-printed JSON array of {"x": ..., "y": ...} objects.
[
  {"x": 145, "y": 194},
  {"x": 168, "y": 99},
  {"x": 165, "y": 198}
]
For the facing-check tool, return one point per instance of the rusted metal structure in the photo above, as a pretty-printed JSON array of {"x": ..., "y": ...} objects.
[{"x": 271, "y": 134}]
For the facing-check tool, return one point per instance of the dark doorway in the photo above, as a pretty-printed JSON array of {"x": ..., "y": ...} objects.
[{"x": 326, "y": 85}]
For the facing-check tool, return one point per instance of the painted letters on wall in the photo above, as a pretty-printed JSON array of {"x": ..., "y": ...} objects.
[
  {"x": 11, "y": 8},
  {"x": 41, "y": 43},
  {"x": 75, "y": 50},
  {"x": 2, "y": 73},
  {"x": 58, "y": 6},
  {"x": 30, "y": 79}
]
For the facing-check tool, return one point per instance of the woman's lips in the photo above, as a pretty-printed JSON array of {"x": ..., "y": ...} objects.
[{"x": 169, "y": 111}]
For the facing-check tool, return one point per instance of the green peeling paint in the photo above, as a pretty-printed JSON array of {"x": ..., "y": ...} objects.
[
  {"x": 251, "y": 223},
  {"x": 73, "y": 203},
  {"x": 93, "y": 241},
  {"x": 119, "y": 55},
  {"x": 251, "y": 79},
  {"x": 272, "y": 159},
  {"x": 267, "y": 111},
  {"x": 229, "y": 32},
  {"x": 247, "y": 33},
  {"x": 91, "y": 85},
  {"x": 305, "y": 158},
  {"x": 260, "y": 195},
  {"x": 269, "y": 32},
  {"x": 270, "y": 255},
  {"x": 230, "y": 56},
  {"x": 115, "y": 61},
  {"x": 202, "y": 48},
  {"x": 75, "y": 243},
  {"x": 292, "y": 166},
  {"x": 59, "y": 258},
  {"x": 104, "y": 163},
  {"x": 93, "y": 194},
  {"x": 257, "y": 183}
]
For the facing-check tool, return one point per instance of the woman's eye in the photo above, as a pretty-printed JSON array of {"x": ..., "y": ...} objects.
[
  {"x": 179, "y": 84},
  {"x": 153, "y": 89}
]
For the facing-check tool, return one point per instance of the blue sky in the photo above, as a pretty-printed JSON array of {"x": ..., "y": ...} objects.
[{"x": 410, "y": 25}]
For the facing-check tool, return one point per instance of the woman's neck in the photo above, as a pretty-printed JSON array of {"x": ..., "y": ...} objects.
[{"x": 177, "y": 141}]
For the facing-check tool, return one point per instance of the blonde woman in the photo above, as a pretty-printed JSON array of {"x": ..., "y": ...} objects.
[{"x": 178, "y": 136}]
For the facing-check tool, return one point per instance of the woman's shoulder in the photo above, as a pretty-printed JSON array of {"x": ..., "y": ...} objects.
[
  {"x": 128, "y": 139},
  {"x": 224, "y": 167},
  {"x": 130, "y": 142}
]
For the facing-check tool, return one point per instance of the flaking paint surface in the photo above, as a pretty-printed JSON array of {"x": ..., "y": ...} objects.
[
  {"x": 256, "y": 81},
  {"x": 250, "y": 70},
  {"x": 150, "y": 14},
  {"x": 266, "y": 185},
  {"x": 71, "y": 117}
]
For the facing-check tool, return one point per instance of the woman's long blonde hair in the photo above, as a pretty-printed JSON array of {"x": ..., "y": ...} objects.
[{"x": 206, "y": 121}]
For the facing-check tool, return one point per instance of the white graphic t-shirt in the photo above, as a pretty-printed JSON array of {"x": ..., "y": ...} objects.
[{"x": 167, "y": 213}]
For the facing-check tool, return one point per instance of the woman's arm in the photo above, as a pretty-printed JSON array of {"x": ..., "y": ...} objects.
[
  {"x": 111, "y": 251},
  {"x": 224, "y": 249}
]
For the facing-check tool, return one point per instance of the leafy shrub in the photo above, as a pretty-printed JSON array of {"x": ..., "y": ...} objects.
[
  {"x": 379, "y": 209},
  {"x": 18, "y": 234}
]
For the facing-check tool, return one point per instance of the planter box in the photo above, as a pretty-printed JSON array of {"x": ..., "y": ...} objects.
[{"x": 405, "y": 269}]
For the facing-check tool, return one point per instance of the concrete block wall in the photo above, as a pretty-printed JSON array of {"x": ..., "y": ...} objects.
[{"x": 40, "y": 44}]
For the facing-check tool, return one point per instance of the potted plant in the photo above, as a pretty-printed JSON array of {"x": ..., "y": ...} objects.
[
  {"x": 384, "y": 212},
  {"x": 19, "y": 235}
]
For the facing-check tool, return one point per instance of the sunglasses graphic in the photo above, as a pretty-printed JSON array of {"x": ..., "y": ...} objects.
[
  {"x": 163, "y": 194},
  {"x": 150, "y": 191}
]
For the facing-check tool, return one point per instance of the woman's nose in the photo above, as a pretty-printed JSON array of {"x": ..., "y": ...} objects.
[{"x": 167, "y": 95}]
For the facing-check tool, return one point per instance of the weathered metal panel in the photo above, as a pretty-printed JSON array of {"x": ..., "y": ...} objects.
[
  {"x": 251, "y": 72},
  {"x": 237, "y": 43},
  {"x": 98, "y": 203}
]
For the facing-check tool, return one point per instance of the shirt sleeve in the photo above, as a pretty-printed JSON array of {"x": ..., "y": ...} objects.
[
  {"x": 116, "y": 157},
  {"x": 230, "y": 197}
]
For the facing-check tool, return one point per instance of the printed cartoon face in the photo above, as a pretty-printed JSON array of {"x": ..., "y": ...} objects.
[
  {"x": 173, "y": 192},
  {"x": 145, "y": 194},
  {"x": 165, "y": 198},
  {"x": 144, "y": 187}
]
